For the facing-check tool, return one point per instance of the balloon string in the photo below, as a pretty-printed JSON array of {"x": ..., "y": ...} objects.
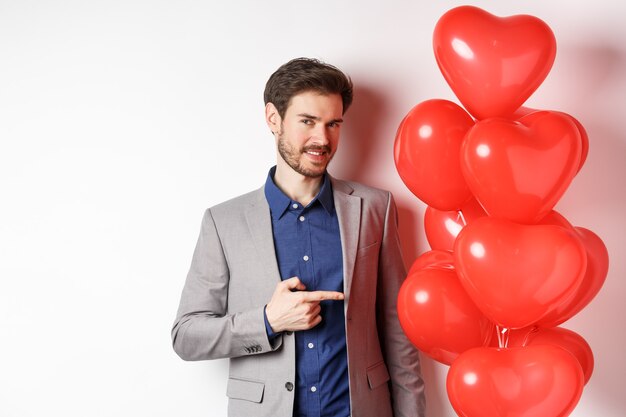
[
  {"x": 462, "y": 217},
  {"x": 535, "y": 329},
  {"x": 503, "y": 336}
]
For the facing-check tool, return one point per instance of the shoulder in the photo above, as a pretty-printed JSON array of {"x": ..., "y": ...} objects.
[
  {"x": 237, "y": 206},
  {"x": 367, "y": 193}
]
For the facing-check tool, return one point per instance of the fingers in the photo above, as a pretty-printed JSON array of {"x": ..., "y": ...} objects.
[
  {"x": 315, "y": 310},
  {"x": 322, "y": 295},
  {"x": 316, "y": 320},
  {"x": 293, "y": 283},
  {"x": 313, "y": 317},
  {"x": 293, "y": 308}
]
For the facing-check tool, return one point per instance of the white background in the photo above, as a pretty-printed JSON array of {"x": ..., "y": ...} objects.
[{"x": 120, "y": 121}]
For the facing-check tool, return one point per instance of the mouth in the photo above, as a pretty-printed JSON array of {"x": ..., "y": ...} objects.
[
  {"x": 317, "y": 150},
  {"x": 317, "y": 155}
]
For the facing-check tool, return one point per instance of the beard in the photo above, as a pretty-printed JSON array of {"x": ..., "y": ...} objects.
[{"x": 297, "y": 161}]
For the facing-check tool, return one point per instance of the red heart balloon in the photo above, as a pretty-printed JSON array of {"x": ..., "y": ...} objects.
[
  {"x": 555, "y": 219},
  {"x": 441, "y": 259},
  {"x": 595, "y": 275},
  {"x": 492, "y": 64},
  {"x": 557, "y": 336},
  {"x": 437, "y": 315},
  {"x": 426, "y": 152},
  {"x": 517, "y": 274},
  {"x": 442, "y": 227},
  {"x": 533, "y": 381},
  {"x": 520, "y": 170},
  {"x": 529, "y": 114}
]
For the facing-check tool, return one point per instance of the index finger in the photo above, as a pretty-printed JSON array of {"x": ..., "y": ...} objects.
[{"x": 322, "y": 295}]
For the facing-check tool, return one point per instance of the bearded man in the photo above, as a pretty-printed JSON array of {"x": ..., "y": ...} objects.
[{"x": 296, "y": 282}]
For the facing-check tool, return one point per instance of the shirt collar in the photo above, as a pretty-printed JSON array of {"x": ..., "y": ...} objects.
[{"x": 279, "y": 202}]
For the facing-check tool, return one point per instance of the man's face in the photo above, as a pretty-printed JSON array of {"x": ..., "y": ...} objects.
[{"x": 308, "y": 135}]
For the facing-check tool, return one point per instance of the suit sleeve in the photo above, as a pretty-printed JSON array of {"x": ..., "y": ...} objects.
[
  {"x": 402, "y": 358},
  {"x": 203, "y": 328}
]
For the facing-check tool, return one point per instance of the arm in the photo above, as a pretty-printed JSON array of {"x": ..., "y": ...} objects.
[
  {"x": 203, "y": 329},
  {"x": 402, "y": 358}
]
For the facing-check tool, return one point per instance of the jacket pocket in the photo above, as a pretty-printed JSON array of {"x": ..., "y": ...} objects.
[
  {"x": 242, "y": 389},
  {"x": 377, "y": 375}
]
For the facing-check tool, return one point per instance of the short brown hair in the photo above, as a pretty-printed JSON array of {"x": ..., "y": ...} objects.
[{"x": 306, "y": 74}]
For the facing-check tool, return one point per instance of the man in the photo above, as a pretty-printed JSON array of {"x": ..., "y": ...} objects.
[{"x": 297, "y": 281}]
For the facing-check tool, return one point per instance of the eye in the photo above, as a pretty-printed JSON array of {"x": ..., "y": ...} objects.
[
  {"x": 307, "y": 121},
  {"x": 333, "y": 124}
]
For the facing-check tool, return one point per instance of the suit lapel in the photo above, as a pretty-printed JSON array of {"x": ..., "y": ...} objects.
[
  {"x": 260, "y": 225},
  {"x": 348, "y": 209},
  {"x": 349, "y": 215}
]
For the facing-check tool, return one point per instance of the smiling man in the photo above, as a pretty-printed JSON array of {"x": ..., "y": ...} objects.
[{"x": 297, "y": 281}]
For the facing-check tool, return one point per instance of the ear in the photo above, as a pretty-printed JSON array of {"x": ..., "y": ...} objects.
[{"x": 272, "y": 118}]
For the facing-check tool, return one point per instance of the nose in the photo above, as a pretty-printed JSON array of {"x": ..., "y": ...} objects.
[{"x": 322, "y": 135}]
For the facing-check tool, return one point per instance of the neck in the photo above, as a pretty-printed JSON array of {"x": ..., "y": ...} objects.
[{"x": 296, "y": 186}]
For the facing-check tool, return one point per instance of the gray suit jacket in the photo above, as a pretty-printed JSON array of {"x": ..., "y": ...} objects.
[{"x": 233, "y": 275}]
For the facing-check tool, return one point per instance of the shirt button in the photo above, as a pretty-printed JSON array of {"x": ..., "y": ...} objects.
[
  {"x": 301, "y": 218},
  {"x": 313, "y": 389},
  {"x": 311, "y": 345},
  {"x": 289, "y": 386},
  {"x": 305, "y": 257},
  {"x": 294, "y": 206}
]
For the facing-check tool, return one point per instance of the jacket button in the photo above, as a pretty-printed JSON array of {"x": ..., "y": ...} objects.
[
  {"x": 288, "y": 332},
  {"x": 289, "y": 386}
]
